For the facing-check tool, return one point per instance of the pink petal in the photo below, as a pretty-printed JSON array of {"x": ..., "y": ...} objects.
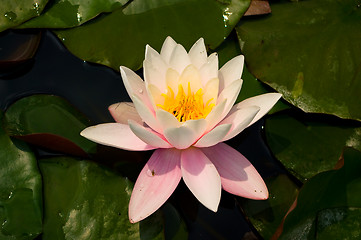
[
  {"x": 135, "y": 86},
  {"x": 231, "y": 71},
  {"x": 201, "y": 177},
  {"x": 264, "y": 101},
  {"x": 115, "y": 135},
  {"x": 198, "y": 53},
  {"x": 184, "y": 136},
  {"x": 210, "y": 69},
  {"x": 167, "y": 120},
  {"x": 214, "y": 136},
  {"x": 167, "y": 49},
  {"x": 123, "y": 111},
  {"x": 238, "y": 175},
  {"x": 148, "y": 136},
  {"x": 156, "y": 182},
  {"x": 179, "y": 59},
  {"x": 239, "y": 119}
]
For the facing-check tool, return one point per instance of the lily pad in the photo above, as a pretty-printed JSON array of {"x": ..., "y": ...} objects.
[
  {"x": 20, "y": 190},
  {"x": 83, "y": 200},
  {"x": 306, "y": 145},
  {"x": 13, "y": 13},
  {"x": 119, "y": 38},
  {"x": 327, "y": 201},
  {"x": 267, "y": 215},
  {"x": 309, "y": 51},
  {"x": 71, "y": 13},
  {"x": 49, "y": 121}
]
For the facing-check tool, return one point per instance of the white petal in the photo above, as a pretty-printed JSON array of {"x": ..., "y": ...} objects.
[
  {"x": 201, "y": 177},
  {"x": 172, "y": 80},
  {"x": 210, "y": 69},
  {"x": 148, "y": 136},
  {"x": 115, "y": 135},
  {"x": 184, "y": 136},
  {"x": 239, "y": 119},
  {"x": 147, "y": 115},
  {"x": 214, "y": 136},
  {"x": 215, "y": 115},
  {"x": 167, "y": 49},
  {"x": 179, "y": 59},
  {"x": 154, "y": 76},
  {"x": 167, "y": 120},
  {"x": 198, "y": 53},
  {"x": 211, "y": 91},
  {"x": 230, "y": 93},
  {"x": 264, "y": 101},
  {"x": 135, "y": 85},
  {"x": 155, "y": 95},
  {"x": 191, "y": 76},
  {"x": 231, "y": 71}
]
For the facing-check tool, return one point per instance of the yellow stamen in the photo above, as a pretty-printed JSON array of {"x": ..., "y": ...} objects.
[{"x": 186, "y": 106}]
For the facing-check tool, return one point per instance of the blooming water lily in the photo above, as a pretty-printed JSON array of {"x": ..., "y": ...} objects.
[{"x": 186, "y": 107}]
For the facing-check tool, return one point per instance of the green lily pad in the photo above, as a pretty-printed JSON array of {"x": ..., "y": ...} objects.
[
  {"x": 49, "y": 121},
  {"x": 83, "y": 200},
  {"x": 20, "y": 190},
  {"x": 15, "y": 12},
  {"x": 251, "y": 85},
  {"x": 307, "y": 146},
  {"x": 119, "y": 38},
  {"x": 309, "y": 51},
  {"x": 267, "y": 215},
  {"x": 66, "y": 13},
  {"x": 326, "y": 201}
]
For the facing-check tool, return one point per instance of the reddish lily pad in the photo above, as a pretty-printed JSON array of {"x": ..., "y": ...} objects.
[
  {"x": 327, "y": 201},
  {"x": 66, "y": 13},
  {"x": 306, "y": 145},
  {"x": 120, "y": 37},
  {"x": 48, "y": 121},
  {"x": 83, "y": 200},
  {"x": 13, "y": 13},
  {"x": 309, "y": 51},
  {"x": 20, "y": 190}
]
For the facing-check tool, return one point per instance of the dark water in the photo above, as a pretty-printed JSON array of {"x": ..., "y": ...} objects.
[{"x": 92, "y": 88}]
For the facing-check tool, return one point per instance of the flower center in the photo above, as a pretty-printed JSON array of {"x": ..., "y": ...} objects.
[{"x": 184, "y": 106}]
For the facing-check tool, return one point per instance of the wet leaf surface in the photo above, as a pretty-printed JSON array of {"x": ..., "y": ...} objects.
[{"x": 309, "y": 51}]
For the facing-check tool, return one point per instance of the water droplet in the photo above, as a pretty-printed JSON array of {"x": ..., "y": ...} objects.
[
  {"x": 10, "y": 195},
  {"x": 140, "y": 91},
  {"x": 79, "y": 18},
  {"x": 10, "y": 16},
  {"x": 60, "y": 214}
]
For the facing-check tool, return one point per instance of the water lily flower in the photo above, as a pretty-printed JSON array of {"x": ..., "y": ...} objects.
[{"x": 186, "y": 109}]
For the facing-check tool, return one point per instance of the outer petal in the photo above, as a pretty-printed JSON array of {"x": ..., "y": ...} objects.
[
  {"x": 210, "y": 69},
  {"x": 201, "y": 177},
  {"x": 179, "y": 59},
  {"x": 156, "y": 182},
  {"x": 184, "y": 136},
  {"x": 239, "y": 119},
  {"x": 198, "y": 53},
  {"x": 115, "y": 135},
  {"x": 264, "y": 101},
  {"x": 123, "y": 111},
  {"x": 135, "y": 86},
  {"x": 167, "y": 49},
  {"x": 214, "y": 136},
  {"x": 238, "y": 175},
  {"x": 148, "y": 136},
  {"x": 231, "y": 71}
]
